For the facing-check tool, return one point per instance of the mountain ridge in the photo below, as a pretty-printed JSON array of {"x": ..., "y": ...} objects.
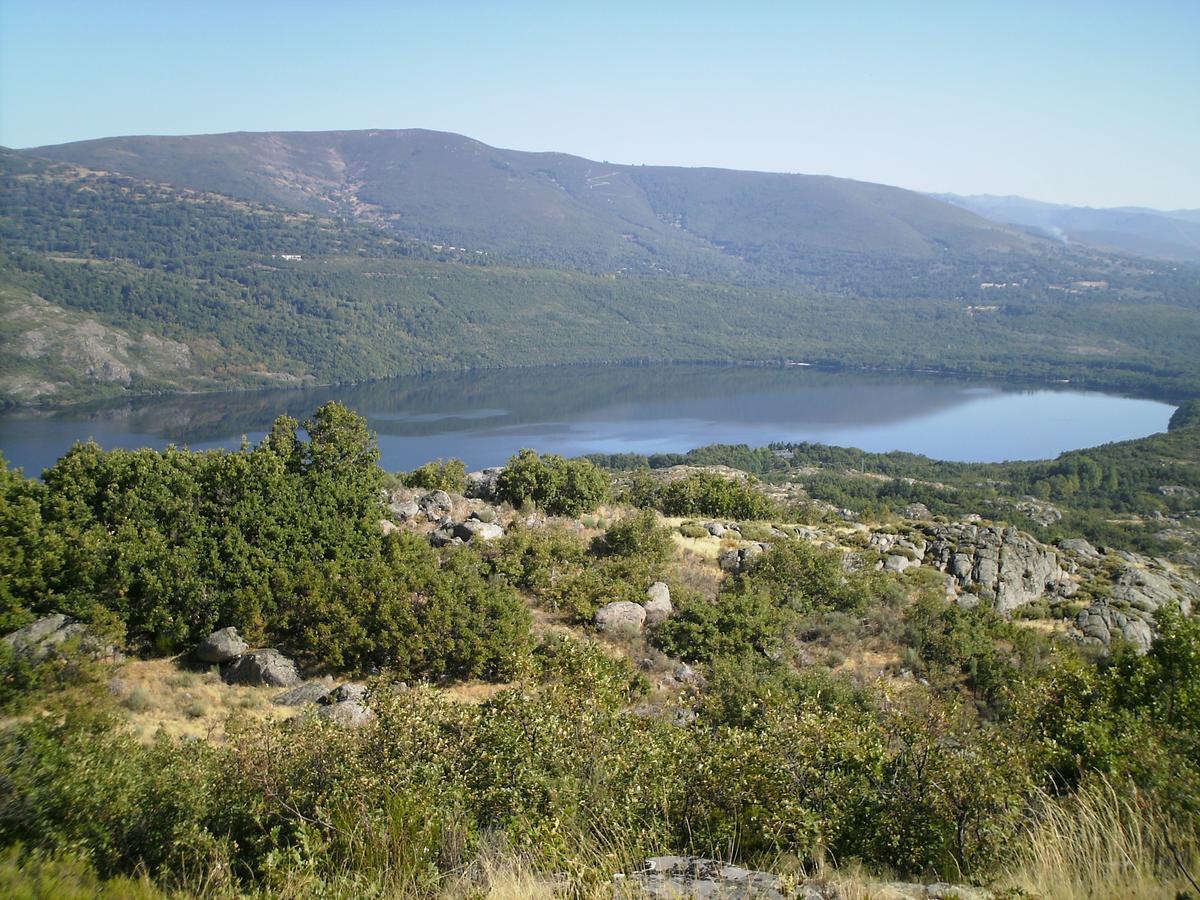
[{"x": 553, "y": 207}]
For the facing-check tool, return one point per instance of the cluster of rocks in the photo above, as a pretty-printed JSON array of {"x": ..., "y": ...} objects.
[
  {"x": 438, "y": 508},
  {"x": 694, "y": 876},
  {"x": 51, "y": 635},
  {"x": 626, "y": 617},
  {"x": 241, "y": 665},
  {"x": 343, "y": 704},
  {"x": 1137, "y": 587},
  {"x": 737, "y": 559},
  {"x": 1003, "y": 563}
]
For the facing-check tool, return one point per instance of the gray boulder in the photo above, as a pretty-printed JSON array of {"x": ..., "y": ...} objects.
[
  {"x": 716, "y": 529},
  {"x": 1008, "y": 564},
  {"x": 1081, "y": 548},
  {"x": 737, "y": 560},
  {"x": 261, "y": 667},
  {"x": 897, "y": 563},
  {"x": 443, "y": 535},
  {"x": 620, "y": 617},
  {"x": 346, "y": 705},
  {"x": 305, "y": 693},
  {"x": 476, "y": 530},
  {"x": 45, "y": 638},
  {"x": 482, "y": 485},
  {"x": 405, "y": 510},
  {"x": 436, "y": 504},
  {"x": 1101, "y": 623},
  {"x": 658, "y": 604},
  {"x": 221, "y": 646}
]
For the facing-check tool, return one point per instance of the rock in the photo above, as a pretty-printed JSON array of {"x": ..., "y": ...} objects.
[
  {"x": 347, "y": 713},
  {"x": 405, "y": 511},
  {"x": 737, "y": 560},
  {"x": 692, "y": 876},
  {"x": 443, "y": 535},
  {"x": 716, "y": 529},
  {"x": 348, "y": 692},
  {"x": 305, "y": 693},
  {"x": 221, "y": 646},
  {"x": 1008, "y": 564},
  {"x": 261, "y": 667},
  {"x": 482, "y": 485},
  {"x": 916, "y": 511},
  {"x": 620, "y": 617},
  {"x": 487, "y": 514},
  {"x": 436, "y": 504},
  {"x": 1101, "y": 623},
  {"x": 1038, "y": 510},
  {"x": 1080, "y": 548},
  {"x": 387, "y": 526},
  {"x": 475, "y": 530},
  {"x": 43, "y": 639},
  {"x": 658, "y": 604},
  {"x": 897, "y": 563}
]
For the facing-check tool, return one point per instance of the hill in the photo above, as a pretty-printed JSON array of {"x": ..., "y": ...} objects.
[
  {"x": 552, "y": 207},
  {"x": 1145, "y": 232},
  {"x": 111, "y": 284}
]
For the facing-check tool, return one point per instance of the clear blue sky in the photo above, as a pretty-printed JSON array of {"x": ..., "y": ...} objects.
[{"x": 1078, "y": 102}]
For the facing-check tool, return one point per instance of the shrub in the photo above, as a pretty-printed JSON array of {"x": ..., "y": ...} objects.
[
  {"x": 692, "y": 530},
  {"x": 639, "y": 535},
  {"x": 449, "y": 475},
  {"x": 707, "y": 494},
  {"x": 557, "y": 485}
]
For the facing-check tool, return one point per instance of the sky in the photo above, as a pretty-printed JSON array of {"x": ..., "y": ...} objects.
[{"x": 1088, "y": 103}]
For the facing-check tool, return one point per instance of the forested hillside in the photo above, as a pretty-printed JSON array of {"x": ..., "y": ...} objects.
[{"x": 110, "y": 284}]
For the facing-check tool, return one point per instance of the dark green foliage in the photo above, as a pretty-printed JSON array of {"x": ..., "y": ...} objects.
[
  {"x": 568, "y": 487},
  {"x": 756, "y": 609},
  {"x": 1186, "y": 416},
  {"x": 281, "y": 540},
  {"x": 443, "y": 475},
  {"x": 639, "y": 535},
  {"x": 702, "y": 494}
]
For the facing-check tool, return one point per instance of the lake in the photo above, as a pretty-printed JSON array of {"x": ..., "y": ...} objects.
[{"x": 484, "y": 417}]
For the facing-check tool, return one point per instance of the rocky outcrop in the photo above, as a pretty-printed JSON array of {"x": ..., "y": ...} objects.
[
  {"x": 620, "y": 617},
  {"x": 306, "y": 692},
  {"x": 1001, "y": 563},
  {"x": 261, "y": 667},
  {"x": 435, "y": 504},
  {"x": 50, "y": 635},
  {"x": 693, "y": 876},
  {"x": 221, "y": 646},
  {"x": 1139, "y": 588},
  {"x": 477, "y": 530}
]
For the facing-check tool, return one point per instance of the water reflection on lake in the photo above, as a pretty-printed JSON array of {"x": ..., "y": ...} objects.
[{"x": 484, "y": 417}]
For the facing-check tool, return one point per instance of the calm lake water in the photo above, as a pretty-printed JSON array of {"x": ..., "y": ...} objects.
[{"x": 485, "y": 417}]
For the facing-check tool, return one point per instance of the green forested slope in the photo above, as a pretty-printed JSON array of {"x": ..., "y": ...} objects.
[{"x": 111, "y": 284}]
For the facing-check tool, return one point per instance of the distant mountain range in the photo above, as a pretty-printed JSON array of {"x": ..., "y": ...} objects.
[
  {"x": 551, "y": 207},
  {"x": 1173, "y": 234}
]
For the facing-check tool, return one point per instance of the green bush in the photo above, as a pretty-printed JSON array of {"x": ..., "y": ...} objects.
[
  {"x": 449, "y": 475},
  {"x": 557, "y": 485},
  {"x": 704, "y": 494},
  {"x": 639, "y": 535}
]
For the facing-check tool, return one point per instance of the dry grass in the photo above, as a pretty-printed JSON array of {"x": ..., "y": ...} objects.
[
  {"x": 1105, "y": 843},
  {"x": 161, "y": 696}
]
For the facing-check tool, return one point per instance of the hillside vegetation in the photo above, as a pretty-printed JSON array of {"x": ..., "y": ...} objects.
[
  {"x": 110, "y": 284},
  {"x": 805, "y": 705}
]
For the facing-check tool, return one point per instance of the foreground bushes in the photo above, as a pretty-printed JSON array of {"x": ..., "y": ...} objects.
[
  {"x": 281, "y": 540},
  {"x": 567, "y": 487}
]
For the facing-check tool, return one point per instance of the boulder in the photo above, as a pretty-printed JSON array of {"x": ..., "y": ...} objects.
[
  {"x": 435, "y": 504},
  {"x": 1080, "y": 548},
  {"x": 620, "y": 617},
  {"x": 40, "y": 640},
  {"x": 259, "y": 667},
  {"x": 658, "y": 604},
  {"x": 736, "y": 560},
  {"x": 346, "y": 705},
  {"x": 221, "y": 646},
  {"x": 476, "y": 530},
  {"x": 482, "y": 485},
  {"x": 443, "y": 535},
  {"x": 1101, "y": 623},
  {"x": 486, "y": 514},
  {"x": 305, "y": 693},
  {"x": 405, "y": 510},
  {"x": 897, "y": 563},
  {"x": 716, "y": 529}
]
